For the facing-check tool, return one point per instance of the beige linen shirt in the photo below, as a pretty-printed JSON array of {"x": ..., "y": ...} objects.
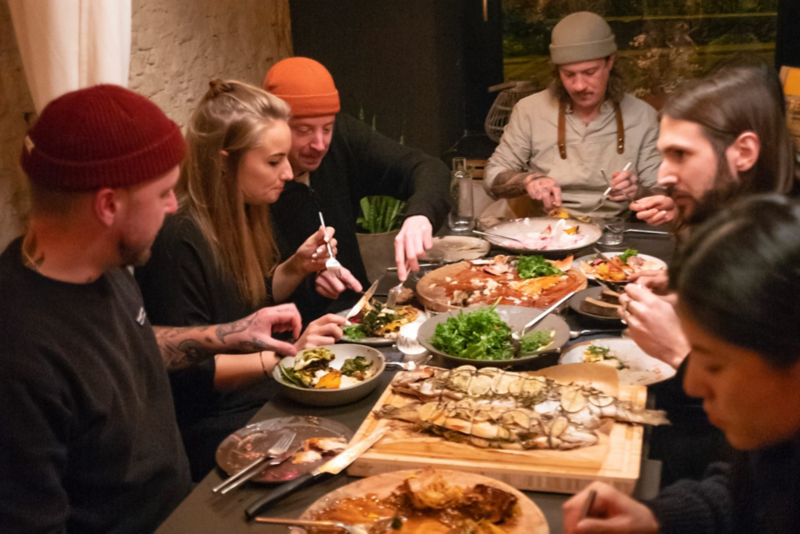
[{"x": 530, "y": 143}]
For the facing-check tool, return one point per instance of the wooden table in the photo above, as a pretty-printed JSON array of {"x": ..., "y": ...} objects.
[{"x": 202, "y": 511}]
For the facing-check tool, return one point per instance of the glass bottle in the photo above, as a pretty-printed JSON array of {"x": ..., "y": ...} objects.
[{"x": 462, "y": 216}]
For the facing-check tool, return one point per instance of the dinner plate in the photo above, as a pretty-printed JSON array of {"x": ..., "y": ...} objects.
[
  {"x": 252, "y": 442},
  {"x": 531, "y": 520},
  {"x": 379, "y": 341},
  {"x": 643, "y": 371},
  {"x": 593, "y": 292},
  {"x": 457, "y": 248},
  {"x": 521, "y": 227},
  {"x": 661, "y": 264},
  {"x": 514, "y": 316}
]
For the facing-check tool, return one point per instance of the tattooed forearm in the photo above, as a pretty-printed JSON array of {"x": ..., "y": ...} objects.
[
  {"x": 183, "y": 347},
  {"x": 235, "y": 327},
  {"x": 510, "y": 184}
]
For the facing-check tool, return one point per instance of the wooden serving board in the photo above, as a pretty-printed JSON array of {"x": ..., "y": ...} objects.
[{"x": 550, "y": 471}]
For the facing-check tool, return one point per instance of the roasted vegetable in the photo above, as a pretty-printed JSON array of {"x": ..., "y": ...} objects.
[
  {"x": 596, "y": 353},
  {"x": 356, "y": 367}
]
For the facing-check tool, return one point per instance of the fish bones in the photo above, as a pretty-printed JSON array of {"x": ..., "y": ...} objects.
[{"x": 493, "y": 408}]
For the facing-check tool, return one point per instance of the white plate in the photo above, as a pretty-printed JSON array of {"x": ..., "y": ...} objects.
[
  {"x": 521, "y": 227},
  {"x": 660, "y": 264},
  {"x": 458, "y": 248},
  {"x": 643, "y": 371},
  {"x": 379, "y": 341}
]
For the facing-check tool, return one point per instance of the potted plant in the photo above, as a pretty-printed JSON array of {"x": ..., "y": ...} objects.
[{"x": 380, "y": 222}]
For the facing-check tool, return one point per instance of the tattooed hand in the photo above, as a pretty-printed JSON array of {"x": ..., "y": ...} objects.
[
  {"x": 183, "y": 347},
  {"x": 254, "y": 332}
]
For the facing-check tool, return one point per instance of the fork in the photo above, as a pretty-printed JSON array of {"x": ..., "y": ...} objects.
[
  {"x": 331, "y": 264},
  {"x": 391, "y": 298},
  {"x": 369, "y": 528},
  {"x": 278, "y": 448}
]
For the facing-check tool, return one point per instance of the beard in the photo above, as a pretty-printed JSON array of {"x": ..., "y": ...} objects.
[
  {"x": 134, "y": 255},
  {"x": 725, "y": 189}
]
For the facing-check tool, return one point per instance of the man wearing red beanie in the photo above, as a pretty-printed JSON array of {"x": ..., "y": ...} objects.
[
  {"x": 337, "y": 160},
  {"x": 89, "y": 441}
]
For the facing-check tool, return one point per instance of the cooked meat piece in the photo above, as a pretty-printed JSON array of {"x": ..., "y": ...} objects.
[{"x": 487, "y": 503}]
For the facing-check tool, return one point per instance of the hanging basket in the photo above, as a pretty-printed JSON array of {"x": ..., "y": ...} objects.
[{"x": 498, "y": 116}]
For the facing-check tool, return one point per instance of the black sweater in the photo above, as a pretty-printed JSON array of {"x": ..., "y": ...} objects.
[
  {"x": 757, "y": 493},
  {"x": 359, "y": 163},
  {"x": 88, "y": 440},
  {"x": 182, "y": 286}
]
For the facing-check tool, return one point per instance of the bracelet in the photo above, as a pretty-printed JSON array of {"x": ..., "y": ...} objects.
[{"x": 263, "y": 367}]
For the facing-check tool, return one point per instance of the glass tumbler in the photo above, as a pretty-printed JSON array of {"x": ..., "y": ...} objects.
[
  {"x": 614, "y": 231},
  {"x": 462, "y": 215}
]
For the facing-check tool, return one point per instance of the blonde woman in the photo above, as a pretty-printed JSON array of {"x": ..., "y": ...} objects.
[{"x": 216, "y": 260}]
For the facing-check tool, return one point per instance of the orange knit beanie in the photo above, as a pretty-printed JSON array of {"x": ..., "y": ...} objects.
[{"x": 305, "y": 84}]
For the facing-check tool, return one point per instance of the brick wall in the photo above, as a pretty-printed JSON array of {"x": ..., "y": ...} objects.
[{"x": 177, "y": 46}]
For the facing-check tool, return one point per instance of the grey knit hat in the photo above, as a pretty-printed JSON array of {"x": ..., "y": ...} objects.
[{"x": 581, "y": 36}]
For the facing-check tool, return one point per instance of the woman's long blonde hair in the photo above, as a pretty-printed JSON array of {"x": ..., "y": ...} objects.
[{"x": 231, "y": 120}]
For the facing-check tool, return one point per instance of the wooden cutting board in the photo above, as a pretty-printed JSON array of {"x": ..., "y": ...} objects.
[{"x": 550, "y": 471}]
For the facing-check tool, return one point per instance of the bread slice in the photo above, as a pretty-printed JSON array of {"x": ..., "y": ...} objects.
[
  {"x": 599, "y": 307},
  {"x": 612, "y": 297}
]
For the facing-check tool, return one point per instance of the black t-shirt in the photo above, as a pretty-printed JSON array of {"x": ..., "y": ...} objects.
[
  {"x": 182, "y": 286},
  {"x": 359, "y": 163},
  {"x": 88, "y": 441}
]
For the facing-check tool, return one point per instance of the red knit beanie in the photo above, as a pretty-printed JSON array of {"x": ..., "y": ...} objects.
[
  {"x": 102, "y": 136},
  {"x": 305, "y": 84}
]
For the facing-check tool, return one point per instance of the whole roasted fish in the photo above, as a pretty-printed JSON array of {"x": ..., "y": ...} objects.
[{"x": 493, "y": 408}]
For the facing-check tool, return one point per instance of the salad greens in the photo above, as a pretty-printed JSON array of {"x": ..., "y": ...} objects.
[
  {"x": 482, "y": 335},
  {"x": 596, "y": 353},
  {"x": 535, "y": 267},
  {"x": 627, "y": 254},
  {"x": 373, "y": 322},
  {"x": 380, "y": 214}
]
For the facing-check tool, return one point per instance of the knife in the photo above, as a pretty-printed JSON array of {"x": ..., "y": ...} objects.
[
  {"x": 332, "y": 467},
  {"x": 363, "y": 300}
]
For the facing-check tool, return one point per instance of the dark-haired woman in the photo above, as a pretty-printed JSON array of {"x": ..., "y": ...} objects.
[
  {"x": 216, "y": 261},
  {"x": 738, "y": 283}
]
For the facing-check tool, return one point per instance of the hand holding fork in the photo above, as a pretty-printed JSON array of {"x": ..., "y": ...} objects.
[{"x": 331, "y": 264}]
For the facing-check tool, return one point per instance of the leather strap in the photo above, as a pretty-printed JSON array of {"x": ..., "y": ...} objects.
[
  {"x": 620, "y": 129},
  {"x": 562, "y": 129}
]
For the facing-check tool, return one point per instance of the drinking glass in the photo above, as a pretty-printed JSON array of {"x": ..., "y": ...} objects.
[
  {"x": 614, "y": 231},
  {"x": 462, "y": 216}
]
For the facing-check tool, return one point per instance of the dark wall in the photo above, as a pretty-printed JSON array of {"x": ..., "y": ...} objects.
[{"x": 399, "y": 62}]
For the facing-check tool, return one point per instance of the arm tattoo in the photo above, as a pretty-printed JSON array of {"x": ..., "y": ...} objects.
[
  {"x": 184, "y": 346},
  {"x": 235, "y": 327},
  {"x": 510, "y": 184}
]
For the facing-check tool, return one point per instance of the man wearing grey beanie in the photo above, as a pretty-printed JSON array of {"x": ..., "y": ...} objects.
[{"x": 557, "y": 141}]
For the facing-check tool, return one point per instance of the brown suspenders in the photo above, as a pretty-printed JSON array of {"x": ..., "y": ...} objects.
[{"x": 562, "y": 129}]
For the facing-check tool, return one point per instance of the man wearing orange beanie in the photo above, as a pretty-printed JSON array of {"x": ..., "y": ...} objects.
[{"x": 337, "y": 160}]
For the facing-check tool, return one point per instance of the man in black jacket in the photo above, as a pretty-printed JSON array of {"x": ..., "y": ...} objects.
[{"x": 337, "y": 160}]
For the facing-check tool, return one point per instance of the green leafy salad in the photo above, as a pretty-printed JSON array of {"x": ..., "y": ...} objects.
[
  {"x": 536, "y": 267},
  {"x": 627, "y": 254},
  {"x": 483, "y": 335}
]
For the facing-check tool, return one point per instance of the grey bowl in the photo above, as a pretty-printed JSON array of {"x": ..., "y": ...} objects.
[
  {"x": 334, "y": 397},
  {"x": 516, "y": 317}
]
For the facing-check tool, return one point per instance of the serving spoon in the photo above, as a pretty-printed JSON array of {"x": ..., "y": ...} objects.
[{"x": 489, "y": 234}]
